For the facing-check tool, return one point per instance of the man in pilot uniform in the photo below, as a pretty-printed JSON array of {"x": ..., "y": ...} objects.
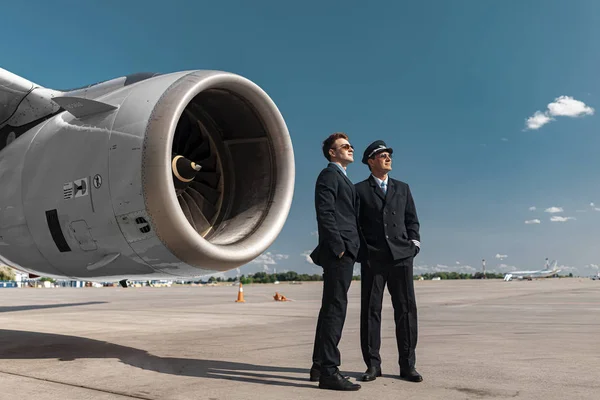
[{"x": 390, "y": 233}]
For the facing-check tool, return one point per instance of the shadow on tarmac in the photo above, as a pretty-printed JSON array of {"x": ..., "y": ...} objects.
[
  {"x": 43, "y": 306},
  {"x": 23, "y": 345}
]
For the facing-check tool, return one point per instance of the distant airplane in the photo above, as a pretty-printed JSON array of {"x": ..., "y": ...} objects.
[{"x": 529, "y": 275}]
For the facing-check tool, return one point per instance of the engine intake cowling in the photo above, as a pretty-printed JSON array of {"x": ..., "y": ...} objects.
[{"x": 237, "y": 203}]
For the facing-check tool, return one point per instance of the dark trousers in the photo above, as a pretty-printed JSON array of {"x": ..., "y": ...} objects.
[
  {"x": 399, "y": 278},
  {"x": 337, "y": 276}
]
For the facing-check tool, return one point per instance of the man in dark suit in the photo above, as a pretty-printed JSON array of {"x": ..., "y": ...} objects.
[
  {"x": 390, "y": 229},
  {"x": 336, "y": 207}
]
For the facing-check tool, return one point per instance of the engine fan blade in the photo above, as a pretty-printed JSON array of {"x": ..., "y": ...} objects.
[
  {"x": 207, "y": 209},
  {"x": 209, "y": 164},
  {"x": 209, "y": 193},
  {"x": 210, "y": 178},
  {"x": 193, "y": 140},
  {"x": 201, "y": 224},
  {"x": 186, "y": 211},
  {"x": 201, "y": 152},
  {"x": 182, "y": 133}
]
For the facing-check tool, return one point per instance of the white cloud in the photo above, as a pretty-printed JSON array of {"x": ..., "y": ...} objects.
[
  {"x": 505, "y": 268},
  {"x": 554, "y": 210},
  {"x": 269, "y": 258},
  {"x": 306, "y": 255},
  {"x": 566, "y": 268},
  {"x": 563, "y": 106},
  {"x": 537, "y": 120},
  {"x": 586, "y": 270},
  {"x": 591, "y": 204},
  {"x": 504, "y": 139},
  {"x": 557, "y": 218},
  {"x": 532, "y": 208},
  {"x": 533, "y": 221},
  {"x": 421, "y": 269},
  {"x": 566, "y": 106},
  {"x": 314, "y": 233},
  {"x": 501, "y": 256},
  {"x": 596, "y": 208},
  {"x": 466, "y": 269},
  {"x": 264, "y": 258},
  {"x": 215, "y": 275}
]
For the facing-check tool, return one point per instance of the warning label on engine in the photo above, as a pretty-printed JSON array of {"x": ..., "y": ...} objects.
[
  {"x": 68, "y": 190},
  {"x": 82, "y": 187},
  {"x": 77, "y": 188}
]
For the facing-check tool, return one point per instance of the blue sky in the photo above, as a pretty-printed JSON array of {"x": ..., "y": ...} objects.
[{"x": 448, "y": 85}]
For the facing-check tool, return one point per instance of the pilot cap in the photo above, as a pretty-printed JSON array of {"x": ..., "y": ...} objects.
[{"x": 374, "y": 148}]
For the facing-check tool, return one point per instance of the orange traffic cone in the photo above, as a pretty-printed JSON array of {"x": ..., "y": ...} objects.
[
  {"x": 240, "y": 298},
  {"x": 279, "y": 297}
]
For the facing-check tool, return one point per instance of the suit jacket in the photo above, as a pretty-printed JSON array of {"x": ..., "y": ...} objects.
[
  {"x": 388, "y": 222},
  {"x": 336, "y": 204}
]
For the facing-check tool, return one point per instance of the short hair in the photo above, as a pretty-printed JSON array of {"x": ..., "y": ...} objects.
[{"x": 327, "y": 143}]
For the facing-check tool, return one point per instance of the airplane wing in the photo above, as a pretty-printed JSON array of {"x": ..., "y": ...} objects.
[
  {"x": 13, "y": 89},
  {"x": 22, "y": 101}
]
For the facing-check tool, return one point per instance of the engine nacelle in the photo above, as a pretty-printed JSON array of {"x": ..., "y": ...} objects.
[{"x": 97, "y": 192}]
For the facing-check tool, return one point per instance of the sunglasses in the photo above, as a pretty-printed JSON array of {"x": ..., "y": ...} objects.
[
  {"x": 383, "y": 155},
  {"x": 345, "y": 146}
]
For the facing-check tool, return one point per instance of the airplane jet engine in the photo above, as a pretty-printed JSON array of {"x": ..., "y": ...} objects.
[{"x": 143, "y": 176}]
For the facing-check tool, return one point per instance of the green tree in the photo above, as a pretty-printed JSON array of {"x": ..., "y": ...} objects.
[
  {"x": 7, "y": 274},
  {"x": 246, "y": 280},
  {"x": 291, "y": 276}
]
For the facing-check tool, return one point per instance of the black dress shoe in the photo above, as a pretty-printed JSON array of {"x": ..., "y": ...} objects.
[
  {"x": 371, "y": 374},
  {"x": 315, "y": 374},
  {"x": 412, "y": 375},
  {"x": 337, "y": 382}
]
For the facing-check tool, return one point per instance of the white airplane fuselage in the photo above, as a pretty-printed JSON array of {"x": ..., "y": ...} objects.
[{"x": 529, "y": 275}]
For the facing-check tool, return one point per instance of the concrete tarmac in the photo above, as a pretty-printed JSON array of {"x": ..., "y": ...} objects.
[{"x": 477, "y": 340}]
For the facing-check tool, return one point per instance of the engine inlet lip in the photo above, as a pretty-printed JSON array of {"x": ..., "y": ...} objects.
[{"x": 167, "y": 218}]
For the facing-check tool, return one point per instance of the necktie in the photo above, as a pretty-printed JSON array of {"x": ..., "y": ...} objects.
[{"x": 383, "y": 187}]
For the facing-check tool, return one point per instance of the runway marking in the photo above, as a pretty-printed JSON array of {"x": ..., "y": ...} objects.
[{"x": 131, "y": 396}]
